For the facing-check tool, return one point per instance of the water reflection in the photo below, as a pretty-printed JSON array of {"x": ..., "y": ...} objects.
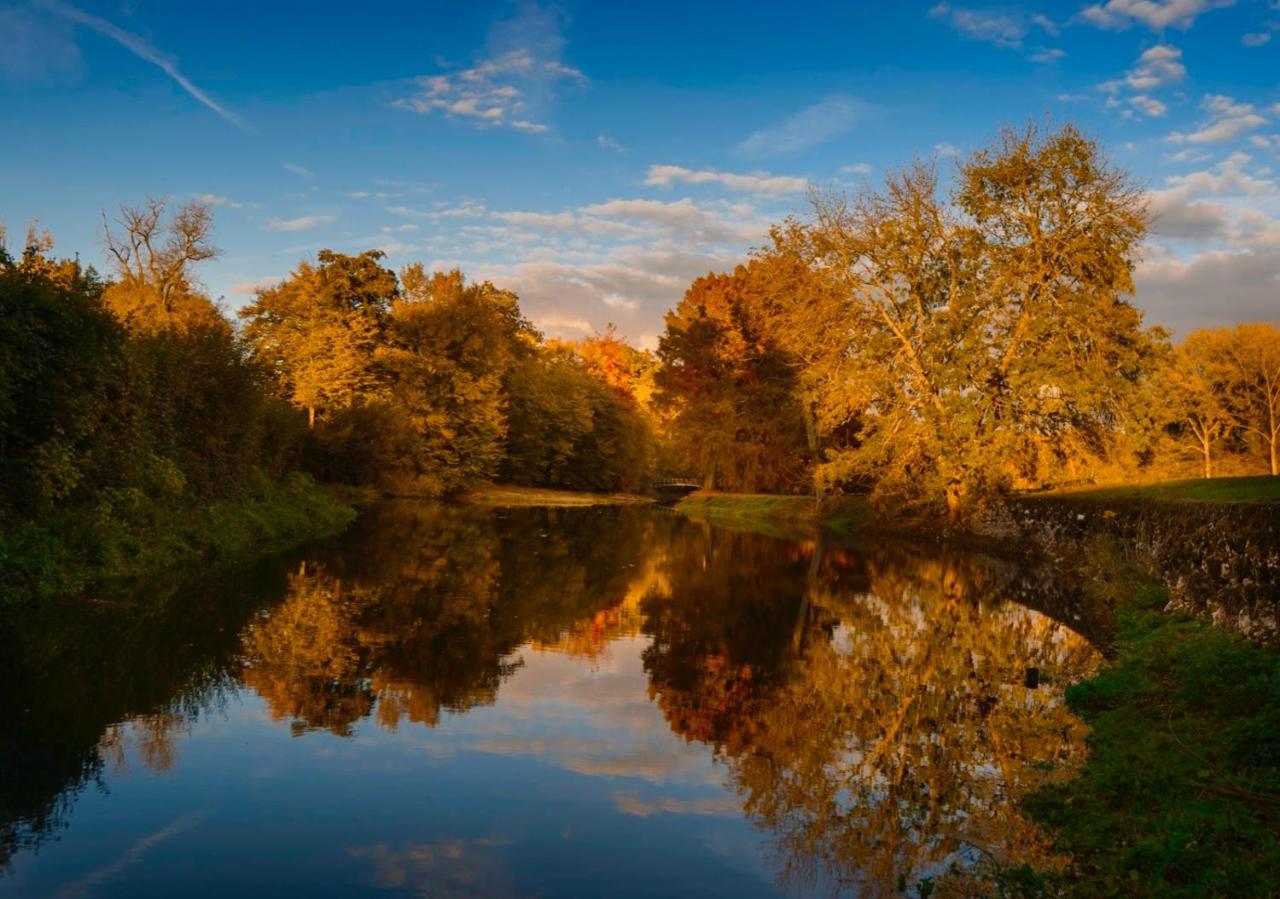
[{"x": 875, "y": 711}]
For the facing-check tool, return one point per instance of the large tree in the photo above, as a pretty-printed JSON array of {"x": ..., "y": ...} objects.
[
  {"x": 729, "y": 387},
  {"x": 450, "y": 347},
  {"x": 964, "y": 336},
  {"x": 319, "y": 330}
]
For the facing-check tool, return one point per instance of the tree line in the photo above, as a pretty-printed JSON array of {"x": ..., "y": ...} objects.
[
  {"x": 129, "y": 397},
  {"x": 944, "y": 342},
  {"x": 938, "y": 340}
]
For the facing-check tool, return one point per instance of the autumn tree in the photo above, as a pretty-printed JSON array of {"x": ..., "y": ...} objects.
[
  {"x": 153, "y": 253},
  {"x": 1252, "y": 358},
  {"x": 449, "y": 350},
  {"x": 971, "y": 330},
  {"x": 1193, "y": 396},
  {"x": 730, "y": 388},
  {"x": 318, "y": 331}
]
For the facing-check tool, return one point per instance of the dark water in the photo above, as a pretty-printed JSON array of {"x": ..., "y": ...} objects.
[{"x": 595, "y": 702}]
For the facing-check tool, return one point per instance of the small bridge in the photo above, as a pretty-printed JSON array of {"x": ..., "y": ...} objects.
[{"x": 672, "y": 490}]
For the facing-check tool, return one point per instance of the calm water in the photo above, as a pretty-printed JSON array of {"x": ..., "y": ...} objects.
[{"x": 594, "y": 702}]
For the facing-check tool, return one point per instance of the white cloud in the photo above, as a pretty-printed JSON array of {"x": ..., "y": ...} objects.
[
  {"x": 858, "y": 168},
  {"x": 1211, "y": 289},
  {"x": 1256, "y": 38},
  {"x": 618, "y": 301},
  {"x": 217, "y": 200},
  {"x": 514, "y": 82},
  {"x": 140, "y": 48},
  {"x": 302, "y": 223},
  {"x": 604, "y": 142},
  {"x": 1148, "y": 105},
  {"x": 810, "y": 127},
  {"x": 551, "y": 322},
  {"x": 757, "y": 182},
  {"x": 995, "y": 27},
  {"x": 1155, "y": 14},
  {"x": 1048, "y": 54},
  {"x": 1228, "y": 178},
  {"x": 1226, "y": 219},
  {"x": 468, "y": 209},
  {"x": 946, "y": 149},
  {"x": 1226, "y": 120},
  {"x": 1156, "y": 67},
  {"x": 396, "y": 248},
  {"x": 299, "y": 170},
  {"x": 252, "y": 287}
]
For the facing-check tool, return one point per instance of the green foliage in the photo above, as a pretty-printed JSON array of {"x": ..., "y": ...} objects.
[
  {"x": 1181, "y": 795},
  {"x": 128, "y": 446},
  {"x": 131, "y": 534},
  {"x": 569, "y": 429}
]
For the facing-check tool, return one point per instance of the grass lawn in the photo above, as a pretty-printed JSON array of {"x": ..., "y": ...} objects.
[
  {"x": 1181, "y": 792},
  {"x": 1263, "y": 489}
]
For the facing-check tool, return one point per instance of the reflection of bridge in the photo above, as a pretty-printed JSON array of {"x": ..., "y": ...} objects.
[{"x": 671, "y": 490}]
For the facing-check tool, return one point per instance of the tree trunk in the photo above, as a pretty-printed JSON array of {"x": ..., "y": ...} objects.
[
  {"x": 311, "y": 417},
  {"x": 1275, "y": 462},
  {"x": 811, "y": 437},
  {"x": 1208, "y": 459},
  {"x": 955, "y": 501}
]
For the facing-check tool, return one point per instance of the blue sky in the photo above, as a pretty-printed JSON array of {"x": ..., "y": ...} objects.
[{"x": 596, "y": 156}]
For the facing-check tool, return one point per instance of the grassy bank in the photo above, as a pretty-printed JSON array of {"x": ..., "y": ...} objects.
[
  {"x": 776, "y": 515},
  {"x": 1263, "y": 489},
  {"x": 130, "y": 535},
  {"x": 1181, "y": 792},
  {"x": 507, "y": 496}
]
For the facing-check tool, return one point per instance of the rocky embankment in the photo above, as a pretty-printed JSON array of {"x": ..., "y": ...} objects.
[{"x": 1218, "y": 560}]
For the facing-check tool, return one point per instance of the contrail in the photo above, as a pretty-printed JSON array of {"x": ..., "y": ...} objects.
[{"x": 143, "y": 50}]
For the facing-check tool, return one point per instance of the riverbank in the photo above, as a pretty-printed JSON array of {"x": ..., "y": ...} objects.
[
  {"x": 509, "y": 497},
  {"x": 131, "y": 536},
  {"x": 776, "y": 515},
  {"x": 1180, "y": 795}
]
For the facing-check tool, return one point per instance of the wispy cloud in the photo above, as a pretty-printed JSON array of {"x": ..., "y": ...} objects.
[
  {"x": 809, "y": 127},
  {"x": 302, "y": 223},
  {"x": 141, "y": 48},
  {"x": 757, "y": 182},
  {"x": 255, "y": 285},
  {"x": 1226, "y": 120},
  {"x": 604, "y": 142},
  {"x": 1159, "y": 66},
  {"x": 513, "y": 83},
  {"x": 299, "y": 170},
  {"x": 995, "y": 27},
  {"x": 1155, "y": 14}
]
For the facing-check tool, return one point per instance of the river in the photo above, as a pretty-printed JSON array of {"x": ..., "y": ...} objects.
[{"x": 608, "y": 701}]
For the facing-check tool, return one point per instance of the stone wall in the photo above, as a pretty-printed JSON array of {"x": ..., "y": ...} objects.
[{"x": 1219, "y": 560}]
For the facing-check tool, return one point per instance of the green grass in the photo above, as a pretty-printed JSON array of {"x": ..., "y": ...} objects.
[
  {"x": 130, "y": 536},
  {"x": 780, "y": 516},
  {"x": 1181, "y": 792},
  {"x": 1264, "y": 489}
]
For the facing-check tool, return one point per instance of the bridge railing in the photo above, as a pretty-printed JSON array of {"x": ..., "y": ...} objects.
[{"x": 661, "y": 483}]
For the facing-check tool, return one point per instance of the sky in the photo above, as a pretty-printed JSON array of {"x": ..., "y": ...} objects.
[{"x": 596, "y": 157}]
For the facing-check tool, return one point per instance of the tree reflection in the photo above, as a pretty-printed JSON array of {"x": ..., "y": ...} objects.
[
  {"x": 871, "y": 704},
  {"x": 424, "y": 613},
  {"x": 887, "y": 735}
]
